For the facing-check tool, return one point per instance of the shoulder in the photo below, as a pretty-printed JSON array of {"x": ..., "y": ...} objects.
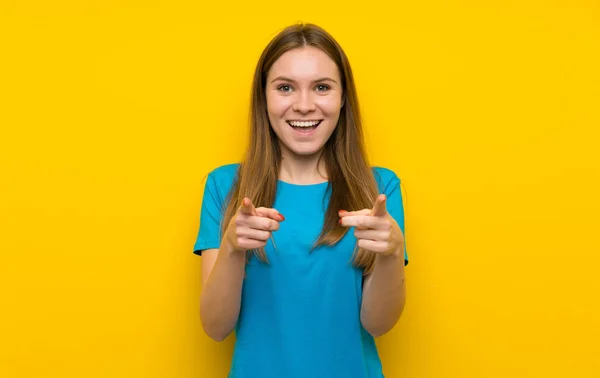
[
  {"x": 224, "y": 173},
  {"x": 220, "y": 179},
  {"x": 385, "y": 176}
]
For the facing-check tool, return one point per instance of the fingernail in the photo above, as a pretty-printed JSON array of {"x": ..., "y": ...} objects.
[
  {"x": 342, "y": 211},
  {"x": 341, "y": 222},
  {"x": 281, "y": 215}
]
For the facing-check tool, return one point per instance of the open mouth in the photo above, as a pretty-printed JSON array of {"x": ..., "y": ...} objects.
[{"x": 304, "y": 126}]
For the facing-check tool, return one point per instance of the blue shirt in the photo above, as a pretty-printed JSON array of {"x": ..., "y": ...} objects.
[{"x": 300, "y": 314}]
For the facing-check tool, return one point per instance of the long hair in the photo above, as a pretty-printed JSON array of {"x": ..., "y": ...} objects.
[{"x": 350, "y": 175}]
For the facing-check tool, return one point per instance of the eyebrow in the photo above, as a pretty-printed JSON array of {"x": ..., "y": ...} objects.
[{"x": 283, "y": 78}]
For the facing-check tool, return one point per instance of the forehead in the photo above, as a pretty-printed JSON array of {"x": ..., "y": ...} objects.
[{"x": 305, "y": 63}]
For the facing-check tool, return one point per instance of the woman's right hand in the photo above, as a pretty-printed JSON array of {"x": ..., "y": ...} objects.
[{"x": 250, "y": 227}]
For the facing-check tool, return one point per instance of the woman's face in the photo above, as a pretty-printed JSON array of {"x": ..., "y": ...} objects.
[{"x": 304, "y": 97}]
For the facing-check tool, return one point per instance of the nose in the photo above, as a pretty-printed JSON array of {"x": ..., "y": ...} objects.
[{"x": 304, "y": 103}]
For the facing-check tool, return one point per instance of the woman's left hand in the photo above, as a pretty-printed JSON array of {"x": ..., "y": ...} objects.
[{"x": 375, "y": 229}]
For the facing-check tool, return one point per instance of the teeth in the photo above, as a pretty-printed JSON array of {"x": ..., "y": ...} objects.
[{"x": 304, "y": 124}]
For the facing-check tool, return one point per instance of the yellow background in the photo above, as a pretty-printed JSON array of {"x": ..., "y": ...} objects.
[{"x": 112, "y": 113}]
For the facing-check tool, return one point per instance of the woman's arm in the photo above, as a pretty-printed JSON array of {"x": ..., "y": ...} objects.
[
  {"x": 224, "y": 268},
  {"x": 384, "y": 293},
  {"x": 222, "y": 278}
]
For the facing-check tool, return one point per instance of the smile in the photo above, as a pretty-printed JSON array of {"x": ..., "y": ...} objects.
[
  {"x": 305, "y": 128},
  {"x": 304, "y": 123}
]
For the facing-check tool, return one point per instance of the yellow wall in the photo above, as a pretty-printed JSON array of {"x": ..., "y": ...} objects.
[{"x": 112, "y": 112}]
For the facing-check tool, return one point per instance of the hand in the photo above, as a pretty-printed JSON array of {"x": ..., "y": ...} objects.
[
  {"x": 375, "y": 229},
  {"x": 250, "y": 227}
]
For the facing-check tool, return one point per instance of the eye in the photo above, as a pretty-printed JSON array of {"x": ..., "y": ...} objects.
[
  {"x": 322, "y": 87},
  {"x": 284, "y": 88}
]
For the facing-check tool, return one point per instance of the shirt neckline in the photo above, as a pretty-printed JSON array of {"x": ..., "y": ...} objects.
[{"x": 319, "y": 184}]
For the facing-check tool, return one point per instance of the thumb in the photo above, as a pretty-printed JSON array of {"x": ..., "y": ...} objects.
[
  {"x": 269, "y": 213},
  {"x": 379, "y": 208},
  {"x": 247, "y": 207}
]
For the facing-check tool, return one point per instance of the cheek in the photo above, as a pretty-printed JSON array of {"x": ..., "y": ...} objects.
[
  {"x": 277, "y": 105},
  {"x": 330, "y": 105}
]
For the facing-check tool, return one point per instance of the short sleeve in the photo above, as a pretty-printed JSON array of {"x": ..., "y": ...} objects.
[
  {"x": 209, "y": 233},
  {"x": 395, "y": 205}
]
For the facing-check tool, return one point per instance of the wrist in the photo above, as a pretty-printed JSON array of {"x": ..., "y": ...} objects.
[
  {"x": 392, "y": 256},
  {"x": 229, "y": 250}
]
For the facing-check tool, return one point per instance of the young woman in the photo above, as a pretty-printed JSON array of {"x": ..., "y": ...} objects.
[{"x": 306, "y": 293}]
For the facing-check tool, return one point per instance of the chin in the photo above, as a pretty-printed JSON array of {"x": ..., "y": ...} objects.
[
  {"x": 306, "y": 153},
  {"x": 303, "y": 151}
]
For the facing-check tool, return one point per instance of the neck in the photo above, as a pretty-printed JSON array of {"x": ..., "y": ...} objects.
[{"x": 302, "y": 169}]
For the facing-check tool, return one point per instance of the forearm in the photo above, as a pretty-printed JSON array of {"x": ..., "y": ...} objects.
[
  {"x": 221, "y": 295},
  {"x": 384, "y": 294}
]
